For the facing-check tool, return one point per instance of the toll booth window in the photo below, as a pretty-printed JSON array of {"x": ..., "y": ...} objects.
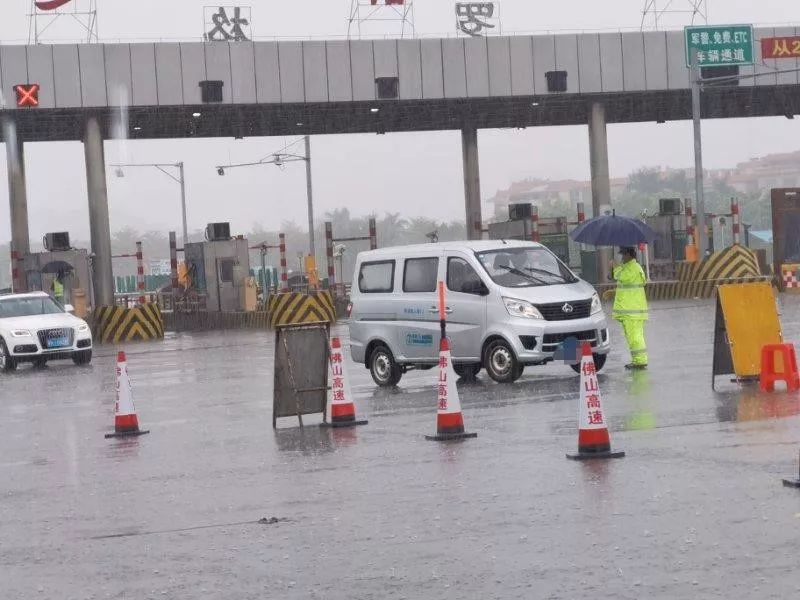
[
  {"x": 226, "y": 270},
  {"x": 376, "y": 277},
  {"x": 420, "y": 275},
  {"x": 791, "y": 242},
  {"x": 461, "y": 277}
]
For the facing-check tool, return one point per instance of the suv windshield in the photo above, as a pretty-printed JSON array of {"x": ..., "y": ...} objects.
[
  {"x": 27, "y": 307},
  {"x": 525, "y": 267}
]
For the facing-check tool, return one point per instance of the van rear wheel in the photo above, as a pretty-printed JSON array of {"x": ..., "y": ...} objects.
[
  {"x": 501, "y": 363},
  {"x": 384, "y": 369}
]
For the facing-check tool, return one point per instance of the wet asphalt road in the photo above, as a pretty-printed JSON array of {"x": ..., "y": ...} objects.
[{"x": 695, "y": 510}]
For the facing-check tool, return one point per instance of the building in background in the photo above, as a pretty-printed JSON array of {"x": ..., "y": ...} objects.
[{"x": 754, "y": 175}]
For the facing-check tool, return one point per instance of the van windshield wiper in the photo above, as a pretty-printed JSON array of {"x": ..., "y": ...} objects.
[
  {"x": 550, "y": 273},
  {"x": 515, "y": 271}
]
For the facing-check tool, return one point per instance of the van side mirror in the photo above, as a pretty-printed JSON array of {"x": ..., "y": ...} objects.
[{"x": 69, "y": 308}]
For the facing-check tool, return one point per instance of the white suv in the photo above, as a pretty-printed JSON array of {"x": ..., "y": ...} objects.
[{"x": 35, "y": 328}]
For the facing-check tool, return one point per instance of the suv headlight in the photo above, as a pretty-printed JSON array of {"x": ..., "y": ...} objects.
[
  {"x": 597, "y": 306},
  {"x": 520, "y": 308},
  {"x": 83, "y": 327},
  {"x": 21, "y": 333}
]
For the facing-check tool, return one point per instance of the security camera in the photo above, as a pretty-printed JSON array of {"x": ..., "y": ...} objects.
[
  {"x": 220, "y": 171},
  {"x": 339, "y": 249}
]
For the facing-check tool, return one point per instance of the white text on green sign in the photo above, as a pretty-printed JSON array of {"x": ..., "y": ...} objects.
[{"x": 720, "y": 46}]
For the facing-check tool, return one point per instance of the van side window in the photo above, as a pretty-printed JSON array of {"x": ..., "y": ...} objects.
[
  {"x": 376, "y": 277},
  {"x": 461, "y": 277},
  {"x": 420, "y": 275}
]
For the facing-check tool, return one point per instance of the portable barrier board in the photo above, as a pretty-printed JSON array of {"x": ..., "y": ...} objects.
[
  {"x": 295, "y": 308},
  {"x": 114, "y": 324},
  {"x": 746, "y": 320},
  {"x": 301, "y": 371}
]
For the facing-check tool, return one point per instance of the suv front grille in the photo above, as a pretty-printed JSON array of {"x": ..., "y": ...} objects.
[
  {"x": 51, "y": 334},
  {"x": 556, "y": 312}
]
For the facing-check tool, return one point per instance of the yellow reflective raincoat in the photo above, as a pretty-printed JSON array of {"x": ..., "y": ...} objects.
[{"x": 630, "y": 308}]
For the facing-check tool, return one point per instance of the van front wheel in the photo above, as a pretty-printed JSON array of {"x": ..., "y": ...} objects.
[
  {"x": 384, "y": 369},
  {"x": 501, "y": 363}
]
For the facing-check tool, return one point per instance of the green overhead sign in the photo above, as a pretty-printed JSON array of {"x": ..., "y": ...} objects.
[{"x": 719, "y": 46}]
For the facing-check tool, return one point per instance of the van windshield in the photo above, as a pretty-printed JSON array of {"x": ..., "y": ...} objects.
[{"x": 525, "y": 267}]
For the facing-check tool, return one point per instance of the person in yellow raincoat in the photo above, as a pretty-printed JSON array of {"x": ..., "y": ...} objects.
[{"x": 630, "y": 305}]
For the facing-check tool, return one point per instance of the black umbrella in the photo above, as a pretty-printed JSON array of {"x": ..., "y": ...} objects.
[
  {"x": 57, "y": 267},
  {"x": 613, "y": 230}
]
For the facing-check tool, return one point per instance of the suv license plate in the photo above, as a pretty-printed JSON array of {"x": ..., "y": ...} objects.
[{"x": 58, "y": 342}]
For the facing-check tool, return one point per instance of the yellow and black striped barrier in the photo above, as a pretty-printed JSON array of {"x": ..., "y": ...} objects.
[
  {"x": 114, "y": 324},
  {"x": 736, "y": 264},
  {"x": 293, "y": 308}
]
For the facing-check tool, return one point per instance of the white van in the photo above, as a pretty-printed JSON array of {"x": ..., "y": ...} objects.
[{"x": 509, "y": 304}]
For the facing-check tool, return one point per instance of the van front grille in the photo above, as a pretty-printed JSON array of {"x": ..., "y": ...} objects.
[
  {"x": 554, "y": 339},
  {"x": 565, "y": 311}
]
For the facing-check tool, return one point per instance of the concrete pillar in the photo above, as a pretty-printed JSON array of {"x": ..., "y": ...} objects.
[
  {"x": 18, "y": 203},
  {"x": 472, "y": 182},
  {"x": 103, "y": 276},
  {"x": 601, "y": 184}
]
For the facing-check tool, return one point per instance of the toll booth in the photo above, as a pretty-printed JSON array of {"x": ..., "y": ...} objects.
[
  {"x": 219, "y": 268},
  {"x": 58, "y": 260},
  {"x": 669, "y": 245},
  {"x": 524, "y": 224},
  {"x": 786, "y": 236}
]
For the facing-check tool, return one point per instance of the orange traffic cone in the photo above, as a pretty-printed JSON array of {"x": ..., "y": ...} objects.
[
  {"x": 126, "y": 423},
  {"x": 449, "y": 420},
  {"x": 593, "y": 439},
  {"x": 343, "y": 411}
]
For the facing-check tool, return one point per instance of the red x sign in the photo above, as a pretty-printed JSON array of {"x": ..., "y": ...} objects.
[{"x": 27, "y": 94}]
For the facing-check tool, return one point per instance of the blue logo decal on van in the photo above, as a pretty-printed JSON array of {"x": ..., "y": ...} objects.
[
  {"x": 419, "y": 339},
  {"x": 417, "y": 312}
]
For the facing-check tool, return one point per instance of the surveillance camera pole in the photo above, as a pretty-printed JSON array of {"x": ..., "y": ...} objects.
[
  {"x": 702, "y": 243},
  {"x": 280, "y": 159},
  {"x": 180, "y": 179},
  {"x": 311, "y": 245}
]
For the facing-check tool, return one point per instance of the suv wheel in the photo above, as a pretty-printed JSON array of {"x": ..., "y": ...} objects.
[
  {"x": 599, "y": 363},
  {"x": 501, "y": 363},
  {"x": 384, "y": 369},
  {"x": 7, "y": 363}
]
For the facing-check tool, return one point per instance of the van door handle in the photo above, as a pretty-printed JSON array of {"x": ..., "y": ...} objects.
[{"x": 435, "y": 309}]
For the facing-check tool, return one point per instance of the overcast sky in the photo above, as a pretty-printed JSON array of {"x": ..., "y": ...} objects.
[{"x": 413, "y": 173}]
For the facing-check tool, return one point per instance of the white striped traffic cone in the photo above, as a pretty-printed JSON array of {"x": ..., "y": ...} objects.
[
  {"x": 593, "y": 438},
  {"x": 449, "y": 420},
  {"x": 126, "y": 423},
  {"x": 343, "y": 410}
]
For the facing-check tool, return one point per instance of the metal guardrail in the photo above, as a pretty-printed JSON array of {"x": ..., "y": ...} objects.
[{"x": 183, "y": 302}]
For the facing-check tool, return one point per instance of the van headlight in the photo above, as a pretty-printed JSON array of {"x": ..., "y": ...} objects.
[
  {"x": 83, "y": 328},
  {"x": 597, "y": 306},
  {"x": 520, "y": 308},
  {"x": 21, "y": 333}
]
